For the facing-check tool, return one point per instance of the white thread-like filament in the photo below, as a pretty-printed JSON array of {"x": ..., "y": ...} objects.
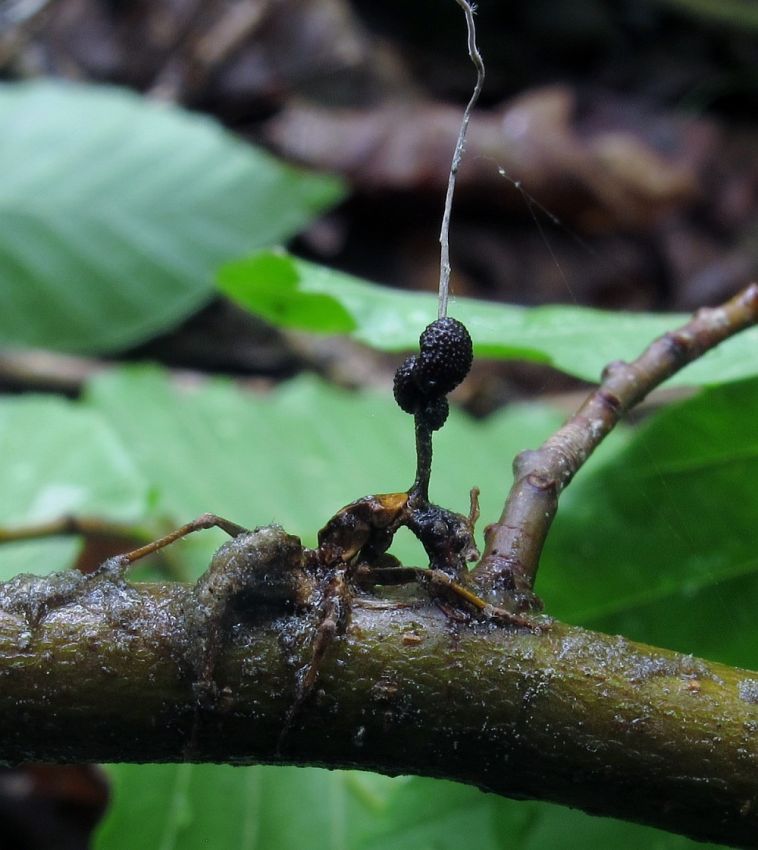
[{"x": 476, "y": 58}]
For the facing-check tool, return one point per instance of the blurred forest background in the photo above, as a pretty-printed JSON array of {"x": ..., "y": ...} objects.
[
  {"x": 612, "y": 162},
  {"x": 632, "y": 123}
]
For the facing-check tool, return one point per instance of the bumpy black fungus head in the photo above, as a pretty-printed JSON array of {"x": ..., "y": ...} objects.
[
  {"x": 446, "y": 356},
  {"x": 423, "y": 381},
  {"x": 435, "y": 413},
  {"x": 407, "y": 393}
]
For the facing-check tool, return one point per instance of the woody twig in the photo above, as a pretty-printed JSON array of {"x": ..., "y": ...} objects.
[{"x": 506, "y": 573}]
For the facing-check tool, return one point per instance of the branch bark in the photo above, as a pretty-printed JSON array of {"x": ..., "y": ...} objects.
[{"x": 96, "y": 669}]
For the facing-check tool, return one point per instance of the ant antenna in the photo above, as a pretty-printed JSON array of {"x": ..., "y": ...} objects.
[{"x": 476, "y": 58}]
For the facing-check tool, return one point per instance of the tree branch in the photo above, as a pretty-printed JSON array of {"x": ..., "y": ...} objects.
[
  {"x": 506, "y": 573},
  {"x": 95, "y": 669}
]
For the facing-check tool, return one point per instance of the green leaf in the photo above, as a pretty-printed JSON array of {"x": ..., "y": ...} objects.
[
  {"x": 658, "y": 540},
  {"x": 192, "y": 806},
  {"x": 285, "y": 808},
  {"x": 279, "y": 296},
  {"x": 62, "y": 459},
  {"x": 439, "y": 815},
  {"x": 577, "y": 340},
  {"x": 40, "y": 557},
  {"x": 557, "y": 828},
  {"x": 59, "y": 460},
  {"x": 115, "y": 212},
  {"x": 198, "y": 806}
]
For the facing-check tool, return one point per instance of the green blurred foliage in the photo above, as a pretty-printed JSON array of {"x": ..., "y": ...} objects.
[
  {"x": 115, "y": 213},
  {"x": 577, "y": 340}
]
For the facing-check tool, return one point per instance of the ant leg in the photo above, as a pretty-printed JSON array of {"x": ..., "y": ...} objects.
[
  {"x": 439, "y": 585},
  {"x": 366, "y": 576},
  {"x": 430, "y": 578},
  {"x": 118, "y": 563},
  {"x": 64, "y": 525},
  {"x": 334, "y": 613},
  {"x": 442, "y": 581}
]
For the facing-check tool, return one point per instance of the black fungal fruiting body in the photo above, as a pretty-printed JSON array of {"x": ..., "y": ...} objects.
[
  {"x": 435, "y": 413},
  {"x": 423, "y": 380},
  {"x": 406, "y": 390},
  {"x": 446, "y": 355}
]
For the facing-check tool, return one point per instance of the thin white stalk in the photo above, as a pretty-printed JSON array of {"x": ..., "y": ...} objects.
[{"x": 476, "y": 58}]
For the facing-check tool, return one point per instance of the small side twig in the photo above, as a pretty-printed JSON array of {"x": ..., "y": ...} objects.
[
  {"x": 38, "y": 369},
  {"x": 514, "y": 543},
  {"x": 476, "y": 58},
  {"x": 64, "y": 526}
]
